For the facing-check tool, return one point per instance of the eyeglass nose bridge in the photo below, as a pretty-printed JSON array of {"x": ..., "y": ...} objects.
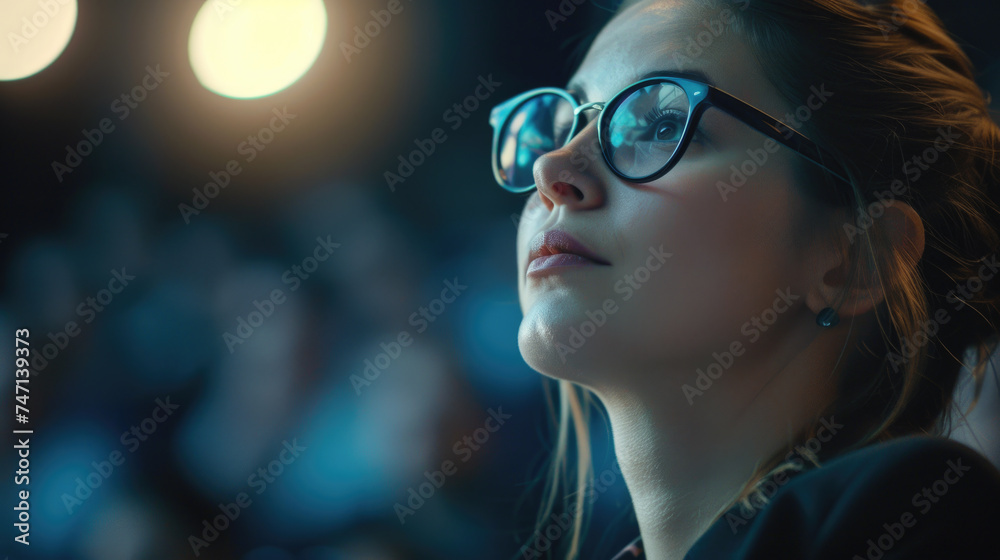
[{"x": 599, "y": 105}]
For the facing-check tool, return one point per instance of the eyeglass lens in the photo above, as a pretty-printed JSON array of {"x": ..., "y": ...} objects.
[
  {"x": 642, "y": 134},
  {"x": 538, "y": 126},
  {"x": 646, "y": 128}
]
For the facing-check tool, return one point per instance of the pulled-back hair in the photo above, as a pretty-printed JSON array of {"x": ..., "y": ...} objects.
[{"x": 908, "y": 123}]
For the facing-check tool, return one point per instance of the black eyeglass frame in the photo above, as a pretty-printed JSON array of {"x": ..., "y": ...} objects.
[{"x": 701, "y": 96}]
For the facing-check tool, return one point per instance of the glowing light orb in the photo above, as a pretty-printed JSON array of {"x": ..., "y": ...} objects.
[
  {"x": 253, "y": 48},
  {"x": 34, "y": 33}
]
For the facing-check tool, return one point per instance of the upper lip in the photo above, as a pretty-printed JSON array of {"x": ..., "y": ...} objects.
[{"x": 557, "y": 241}]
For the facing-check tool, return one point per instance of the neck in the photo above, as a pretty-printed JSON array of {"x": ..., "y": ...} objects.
[{"x": 684, "y": 461}]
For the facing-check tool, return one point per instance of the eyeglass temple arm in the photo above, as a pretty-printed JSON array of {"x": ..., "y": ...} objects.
[{"x": 777, "y": 130}]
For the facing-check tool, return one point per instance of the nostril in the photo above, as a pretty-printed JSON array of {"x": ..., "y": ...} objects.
[{"x": 565, "y": 189}]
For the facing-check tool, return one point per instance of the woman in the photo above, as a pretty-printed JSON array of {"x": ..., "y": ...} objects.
[{"x": 763, "y": 235}]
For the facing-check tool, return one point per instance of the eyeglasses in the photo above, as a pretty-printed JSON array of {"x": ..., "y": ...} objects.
[{"x": 642, "y": 131}]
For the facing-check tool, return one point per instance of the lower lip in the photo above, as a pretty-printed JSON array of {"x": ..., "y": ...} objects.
[{"x": 559, "y": 260}]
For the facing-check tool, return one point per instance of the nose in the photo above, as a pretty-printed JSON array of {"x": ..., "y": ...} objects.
[{"x": 574, "y": 174}]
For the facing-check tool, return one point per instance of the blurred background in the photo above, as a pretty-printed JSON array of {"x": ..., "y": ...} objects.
[{"x": 275, "y": 318}]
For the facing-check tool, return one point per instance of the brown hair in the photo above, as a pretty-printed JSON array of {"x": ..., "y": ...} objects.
[{"x": 907, "y": 123}]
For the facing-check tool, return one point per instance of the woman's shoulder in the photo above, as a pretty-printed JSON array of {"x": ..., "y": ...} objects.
[
  {"x": 900, "y": 463},
  {"x": 911, "y": 497}
]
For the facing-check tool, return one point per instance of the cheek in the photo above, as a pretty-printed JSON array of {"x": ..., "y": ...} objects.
[
  {"x": 727, "y": 258},
  {"x": 736, "y": 219}
]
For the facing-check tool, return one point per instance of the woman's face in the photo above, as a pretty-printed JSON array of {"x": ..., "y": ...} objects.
[{"x": 691, "y": 265}]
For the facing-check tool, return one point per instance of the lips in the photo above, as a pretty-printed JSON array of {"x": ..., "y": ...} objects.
[{"x": 558, "y": 248}]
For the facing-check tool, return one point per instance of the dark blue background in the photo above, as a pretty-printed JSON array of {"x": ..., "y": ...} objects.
[{"x": 323, "y": 176}]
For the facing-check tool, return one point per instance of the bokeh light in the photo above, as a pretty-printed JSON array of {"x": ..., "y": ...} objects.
[
  {"x": 253, "y": 48},
  {"x": 36, "y": 33}
]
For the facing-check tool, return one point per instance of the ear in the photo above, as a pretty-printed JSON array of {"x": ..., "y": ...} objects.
[{"x": 848, "y": 267}]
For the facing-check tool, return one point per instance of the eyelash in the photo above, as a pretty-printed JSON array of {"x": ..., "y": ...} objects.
[{"x": 656, "y": 113}]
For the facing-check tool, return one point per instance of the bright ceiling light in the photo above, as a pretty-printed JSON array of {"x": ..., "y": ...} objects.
[
  {"x": 253, "y": 48},
  {"x": 35, "y": 32}
]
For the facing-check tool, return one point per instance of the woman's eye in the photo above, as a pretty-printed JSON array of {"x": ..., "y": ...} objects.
[
  {"x": 665, "y": 125},
  {"x": 667, "y": 131}
]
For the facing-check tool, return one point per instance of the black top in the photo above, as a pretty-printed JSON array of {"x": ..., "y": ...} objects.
[{"x": 913, "y": 497}]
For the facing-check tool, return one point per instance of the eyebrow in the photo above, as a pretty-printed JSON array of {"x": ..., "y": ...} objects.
[{"x": 577, "y": 88}]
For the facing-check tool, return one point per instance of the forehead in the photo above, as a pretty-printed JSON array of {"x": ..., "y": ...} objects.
[{"x": 682, "y": 36}]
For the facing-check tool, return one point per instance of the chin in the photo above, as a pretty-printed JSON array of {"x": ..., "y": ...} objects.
[{"x": 553, "y": 342}]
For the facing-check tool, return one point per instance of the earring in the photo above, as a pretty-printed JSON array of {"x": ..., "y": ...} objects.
[{"x": 827, "y": 318}]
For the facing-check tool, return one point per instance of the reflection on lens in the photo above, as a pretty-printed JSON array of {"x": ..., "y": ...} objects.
[
  {"x": 646, "y": 129},
  {"x": 536, "y": 127}
]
